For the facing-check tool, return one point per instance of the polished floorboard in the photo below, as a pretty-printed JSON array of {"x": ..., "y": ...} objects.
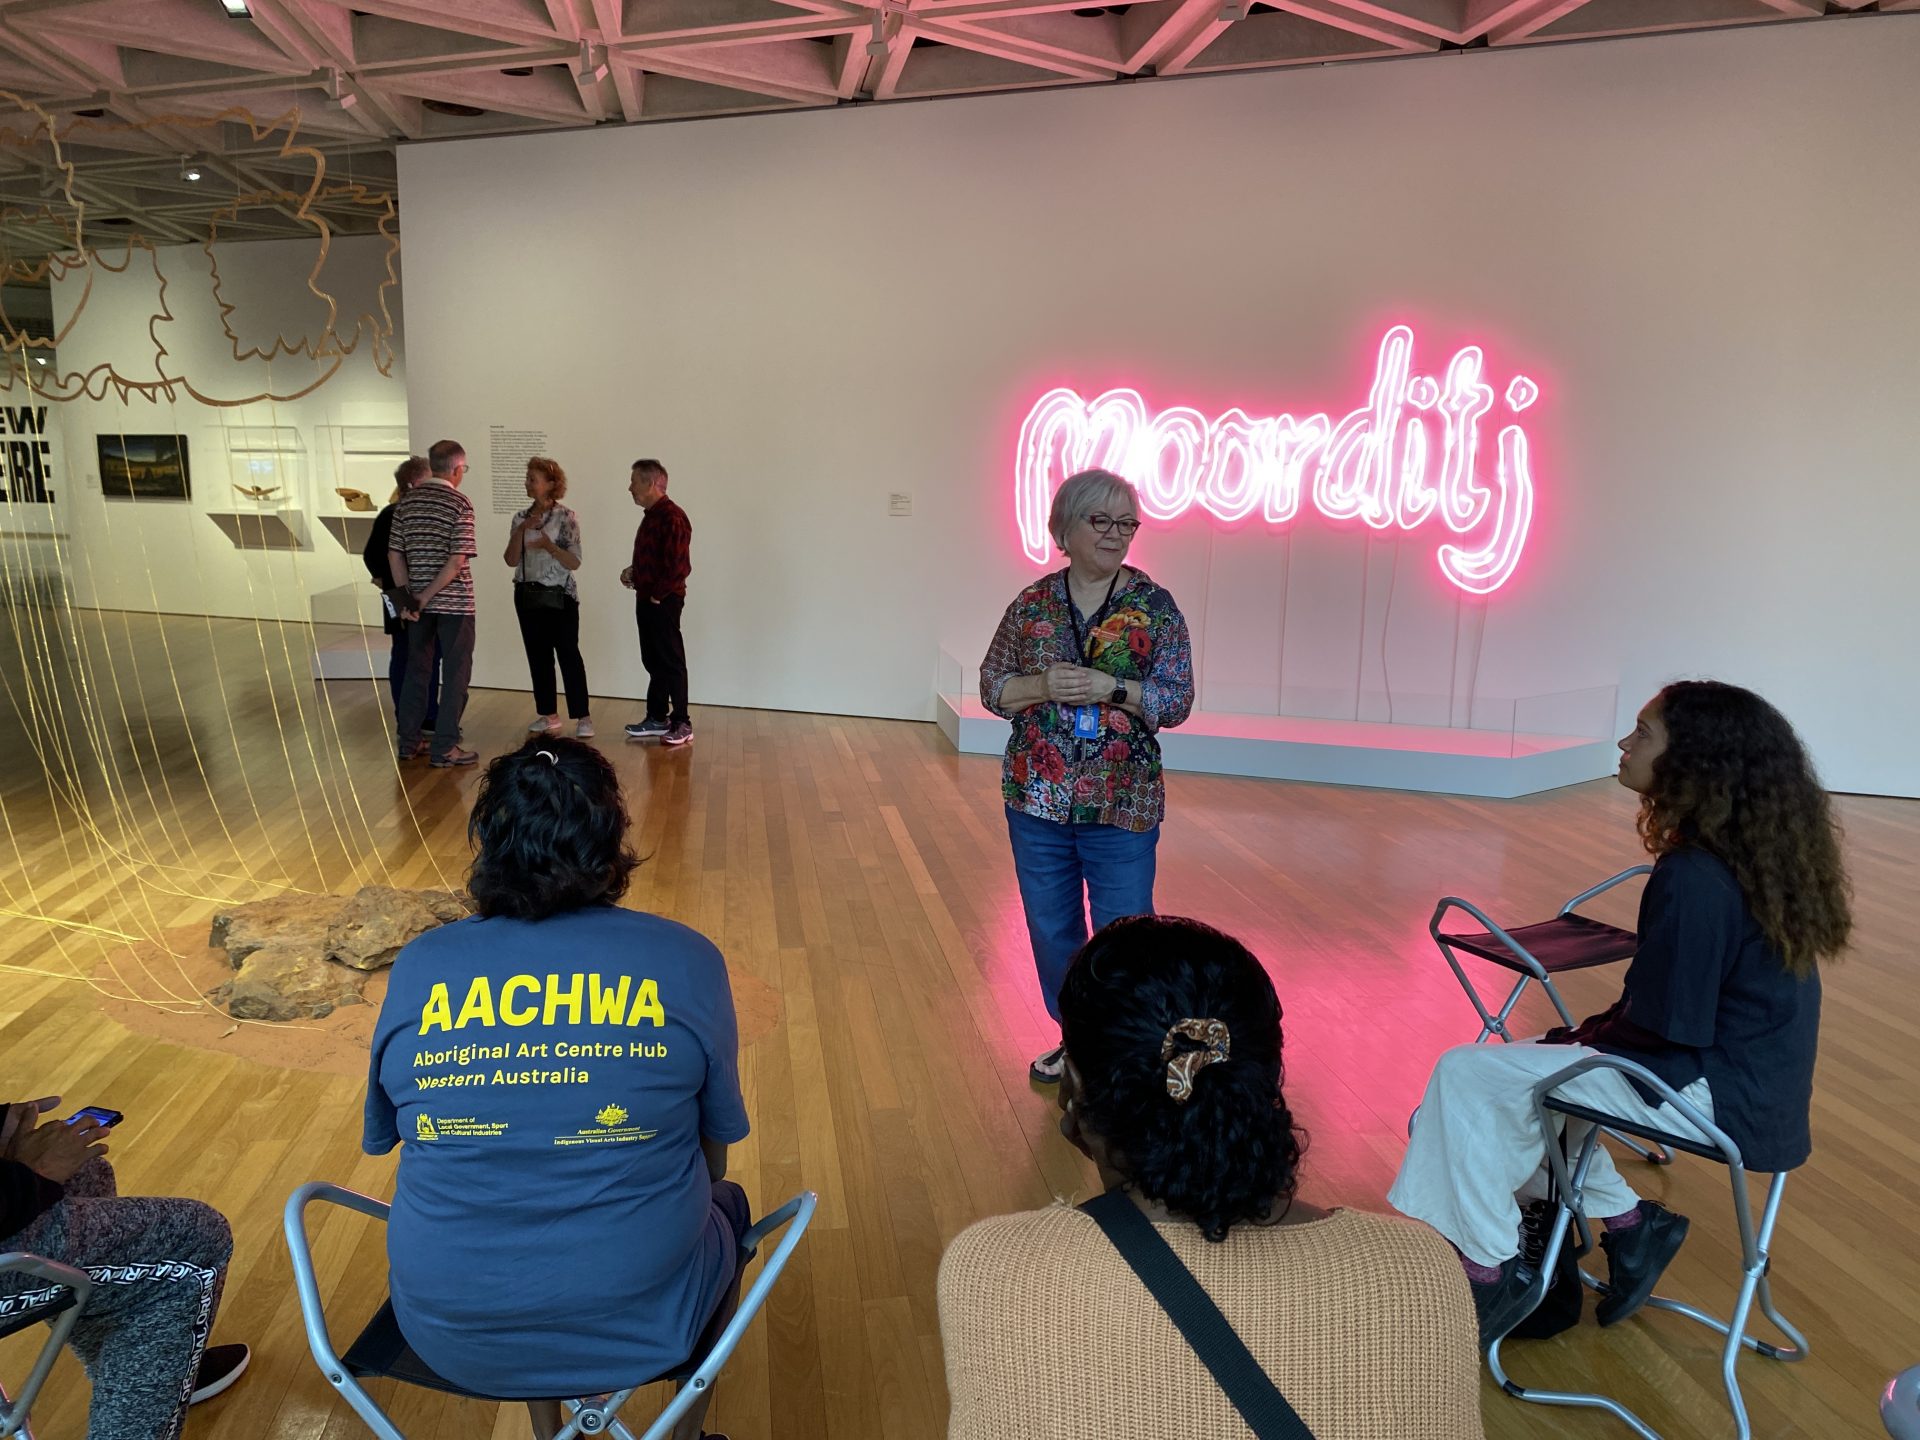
[{"x": 858, "y": 870}]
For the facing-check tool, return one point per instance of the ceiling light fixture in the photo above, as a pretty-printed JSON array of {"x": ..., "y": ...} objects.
[
  {"x": 590, "y": 71},
  {"x": 877, "y": 46},
  {"x": 342, "y": 94},
  {"x": 190, "y": 169},
  {"x": 236, "y": 9}
]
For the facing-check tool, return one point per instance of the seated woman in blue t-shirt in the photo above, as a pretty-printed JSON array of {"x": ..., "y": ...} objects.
[
  {"x": 1721, "y": 1002},
  {"x": 565, "y": 1076}
]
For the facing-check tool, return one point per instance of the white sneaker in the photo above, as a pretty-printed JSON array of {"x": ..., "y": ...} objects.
[
  {"x": 544, "y": 725},
  {"x": 583, "y": 728}
]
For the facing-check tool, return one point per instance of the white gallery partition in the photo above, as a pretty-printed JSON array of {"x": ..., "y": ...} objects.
[
  {"x": 263, "y": 530},
  {"x": 1697, "y": 250}
]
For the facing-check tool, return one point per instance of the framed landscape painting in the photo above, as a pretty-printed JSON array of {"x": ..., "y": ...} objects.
[{"x": 144, "y": 467}]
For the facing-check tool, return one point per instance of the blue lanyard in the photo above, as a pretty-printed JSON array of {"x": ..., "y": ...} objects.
[{"x": 1073, "y": 611}]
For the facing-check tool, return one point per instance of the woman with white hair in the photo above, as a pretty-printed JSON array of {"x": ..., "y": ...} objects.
[{"x": 1088, "y": 663}]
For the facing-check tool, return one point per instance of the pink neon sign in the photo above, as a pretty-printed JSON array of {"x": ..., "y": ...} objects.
[{"x": 1408, "y": 456}]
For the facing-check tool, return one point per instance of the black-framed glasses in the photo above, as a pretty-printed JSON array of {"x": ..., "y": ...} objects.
[{"x": 1106, "y": 525}]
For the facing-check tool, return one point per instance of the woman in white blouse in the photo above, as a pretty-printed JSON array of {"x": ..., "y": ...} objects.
[{"x": 544, "y": 550}]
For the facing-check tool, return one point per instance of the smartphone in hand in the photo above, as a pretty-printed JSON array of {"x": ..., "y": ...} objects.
[{"x": 99, "y": 1114}]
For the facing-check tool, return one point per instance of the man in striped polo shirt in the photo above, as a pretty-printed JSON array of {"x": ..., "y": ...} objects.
[{"x": 432, "y": 541}]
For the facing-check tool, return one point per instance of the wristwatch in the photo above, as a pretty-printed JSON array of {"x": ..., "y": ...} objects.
[{"x": 1119, "y": 692}]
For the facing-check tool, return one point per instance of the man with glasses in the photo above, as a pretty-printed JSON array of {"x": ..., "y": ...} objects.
[{"x": 431, "y": 543}]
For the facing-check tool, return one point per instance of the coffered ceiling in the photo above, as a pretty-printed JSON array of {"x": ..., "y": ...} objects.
[{"x": 152, "y": 99}]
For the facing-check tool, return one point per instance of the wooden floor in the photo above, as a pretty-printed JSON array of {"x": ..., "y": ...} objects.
[{"x": 860, "y": 869}]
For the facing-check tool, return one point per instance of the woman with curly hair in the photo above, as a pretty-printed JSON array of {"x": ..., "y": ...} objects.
[
  {"x": 1172, "y": 1086},
  {"x": 1721, "y": 1002},
  {"x": 564, "y": 1076},
  {"x": 543, "y": 547}
]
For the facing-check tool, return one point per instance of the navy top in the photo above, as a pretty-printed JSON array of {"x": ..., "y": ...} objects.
[
  {"x": 1707, "y": 995},
  {"x": 553, "y": 1229}
]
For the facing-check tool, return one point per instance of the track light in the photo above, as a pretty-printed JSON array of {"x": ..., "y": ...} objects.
[
  {"x": 590, "y": 71},
  {"x": 236, "y": 9},
  {"x": 342, "y": 94},
  {"x": 190, "y": 169},
  {"x": 877, "y": 46}
]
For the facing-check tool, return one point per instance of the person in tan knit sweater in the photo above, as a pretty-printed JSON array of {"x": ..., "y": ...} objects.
[{"x": 1172, "y": 1086}]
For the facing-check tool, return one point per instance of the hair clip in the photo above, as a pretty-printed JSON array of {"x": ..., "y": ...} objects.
[
  {"x": 1181, "y": 1068},
  {"x": 548, "y": 756}
]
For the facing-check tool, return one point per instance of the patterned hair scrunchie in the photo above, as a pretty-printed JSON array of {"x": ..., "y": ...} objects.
[{"x": 1181, "y": 1068}]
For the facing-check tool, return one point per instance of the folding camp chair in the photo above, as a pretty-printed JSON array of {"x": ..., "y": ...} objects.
[
  {"x": 1569, "y": 1180},
  {"x": 59, "y": 1303},
  {"x": 1536, "y": 953},
  {"x": 381, "y": 1351}
]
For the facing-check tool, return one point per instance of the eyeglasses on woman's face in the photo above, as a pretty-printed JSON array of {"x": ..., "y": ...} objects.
[{"x": 1104, "y": 524}]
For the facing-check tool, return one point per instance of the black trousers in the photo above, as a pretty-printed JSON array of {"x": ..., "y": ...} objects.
[
  {"x": 551, "y": 635},
  {"x": 664, "y": 654},
  {"x": 450, "y": 637}
]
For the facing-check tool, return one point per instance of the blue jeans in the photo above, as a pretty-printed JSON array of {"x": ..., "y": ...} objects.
[{"x": 1061, "y": 868}]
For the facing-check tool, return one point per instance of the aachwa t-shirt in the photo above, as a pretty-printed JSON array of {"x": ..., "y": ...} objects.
[{"x": 551, "y": 1081}]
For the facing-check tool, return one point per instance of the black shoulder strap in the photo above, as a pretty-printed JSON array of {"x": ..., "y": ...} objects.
[{"x": 1194, "y": 1314}]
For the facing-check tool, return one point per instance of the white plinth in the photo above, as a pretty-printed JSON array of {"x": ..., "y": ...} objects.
[
  {"x": 1493, "y": 763},
  {"x": 351, "y": 528},
  {"x": 280, "y": 528},
  {"x": 351, "y": 655}
]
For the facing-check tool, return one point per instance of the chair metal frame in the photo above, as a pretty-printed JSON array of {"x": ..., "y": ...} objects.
[
  {"x": 1494, "y": 1022},
  {"x": 585, "y": 1416},
  {"x": 15, "y": 1414},
  {"x": 1569, "y": 1181}
]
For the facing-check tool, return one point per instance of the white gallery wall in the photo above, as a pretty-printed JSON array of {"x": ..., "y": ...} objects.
[
  {"x": 173, "y": 556},
  {"x": 1701, "y": 247}
]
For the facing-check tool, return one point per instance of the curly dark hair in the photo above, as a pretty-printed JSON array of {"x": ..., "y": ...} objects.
[
  {"x": 1230, "y": 1153},
  {"x": 1736, "y": 781},
  {"x": 548, "y": 835}
]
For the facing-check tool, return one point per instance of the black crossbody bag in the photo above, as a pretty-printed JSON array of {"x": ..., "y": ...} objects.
[{"x": 1194, "y": 1314}]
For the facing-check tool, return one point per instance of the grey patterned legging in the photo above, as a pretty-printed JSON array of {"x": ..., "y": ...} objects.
[{"x": 157, "y": 1267}]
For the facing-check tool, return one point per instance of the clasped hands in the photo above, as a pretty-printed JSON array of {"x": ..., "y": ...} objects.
[{"x": 1077, "y": 684}]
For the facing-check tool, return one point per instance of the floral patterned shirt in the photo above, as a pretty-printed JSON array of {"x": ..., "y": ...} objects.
[
  {"x": 536, "y": 566},
  {"x": 1114, "y": 778}
]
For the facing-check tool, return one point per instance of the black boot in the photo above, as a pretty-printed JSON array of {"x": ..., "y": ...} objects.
[
  {"x": 1636, "y": 1258},
  {"x": 1560, "y": 1308}
]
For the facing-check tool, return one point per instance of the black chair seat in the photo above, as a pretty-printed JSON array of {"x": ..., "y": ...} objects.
[
  {"x": 20, "y": 1319},
  {"x": 1703, "y": 1148},
  {"x": 1566, "y": 942},
  {"x": 381, "y": 1352}
]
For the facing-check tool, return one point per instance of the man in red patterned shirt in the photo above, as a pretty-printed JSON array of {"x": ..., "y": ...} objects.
[{"x": 662, "y": 560}]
